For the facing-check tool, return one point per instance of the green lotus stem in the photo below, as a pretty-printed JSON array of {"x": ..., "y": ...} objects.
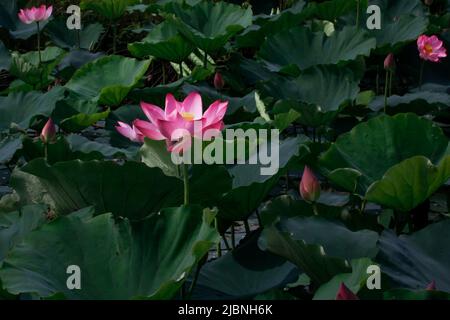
[
  {"x": 377, "y": 81},
  {"x": 314, "y": 206},
  {"x": 386, "y": 91},
  {"x": 78, "y": 33},
  {"x": 186, "y": 184},
  {"x": 218, "y": 248},
  {"x": 391, "y": 74},
  {"x": 163, "y": 73},
  {"x": 287, "y": 181},
  {"x": 247, "y": 226},
  {"x": 258, "y": 217},
  {"x": 39, "y": 42},
  {"x": 181, "y": 70},
  {"x": 46, "y": 151},
  {"x": 233, "y": 237},
  {"x": 227, "y": 245},
  {"x": 422, "y": 67},
  {"x": 114, "y": 26},
  {"x": 357, "y": 13},
  {"x": 205, "y": 60}
]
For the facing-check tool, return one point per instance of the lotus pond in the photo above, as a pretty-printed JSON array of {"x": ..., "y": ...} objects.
[{"x": 193, "y": 149}]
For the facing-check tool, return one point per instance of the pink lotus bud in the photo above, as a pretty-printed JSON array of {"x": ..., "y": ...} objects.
[
  {"x": 432, "y": 286},
  {"x": 389, "y": 62},
  {"x": 345, "y": 293},
  {"x": 218, "y": 81},
  {"x": 48, "y": 133},
  {"x": 309, "y": 186}
]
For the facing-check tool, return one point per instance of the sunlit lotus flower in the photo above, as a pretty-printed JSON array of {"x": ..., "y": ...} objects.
[
  {"x": 177, "y": 120},
  {"x": 431, "y": 48},
  {"x": 218, "y": 81},
  {"x": 431, "y": 286},
  {"x": 131, "y": 132},
  {"x": 309, "y": 186},
  {"x": 35, "y": 14},
  {"x": 48, "y": 133},
  {"x": 345, "y": 293},
  {"x": 389, "y": 62}
]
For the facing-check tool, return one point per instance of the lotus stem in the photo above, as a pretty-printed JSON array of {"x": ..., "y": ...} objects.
[
  {"x": 391, "y": 75},
  {"x": 205, "y": 60},
  {"x": 181, "y": 70},
  {"x": 357, "y": 13},
  {"x": 219, "y": 247},
  {"x": 233, "y": 236},
  {"x": 78, "y": 33},
  {"x": 386, "y": 85},
  {"x": 315, "y": 210},
  {"x": 39, "y": 42},
  {"x": 422, "y": 67},
  {"x": 247, "y": 226},
  {"x": 46, "y": 151},
  {"x": 225, "y": 241},
  {"x": 186, "y": 184},
  {"x": 114, "y": 37}
]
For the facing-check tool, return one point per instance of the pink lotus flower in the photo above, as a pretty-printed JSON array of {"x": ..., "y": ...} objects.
[
  {"x": 431, "y": 48},
  {"x": 345, "y": 293},
  {"x": 48, "y": 133},
  {"x": 177, "y": 120},
  {"x": 309, "y": 186},
  {"x": 35, "y": 14},
  {"x": 131, "y": 133}
]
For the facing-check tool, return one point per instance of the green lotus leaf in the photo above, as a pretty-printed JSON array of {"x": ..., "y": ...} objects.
[
  {"x": 109, "y": 9},
  {"x": 132, "y": 190},
  {"x": 409, "y": 183},
  {"x": 117, "y": 260},
  {"x": 209, "y": 25},
  {"x": 373, "y": 147},
  {"x": 244, "y": 272},
  {"x": 107, "y": 80},
  {"x": 414, "y": 261},
  {"x": 401, "y": 21},
  {"x": 68, "y": 39},
  {"x": 14, "y": 226},
  {"x": 302, "y": 48},
  {"x": 163, "y": 42},
  {"x": 319, "y": 247},
  {"x": 8, "y": 147},
  {"x": 21, "y": 108},
  {"x": 78, "y": 143},
  {"x": 26, "y": 66}
]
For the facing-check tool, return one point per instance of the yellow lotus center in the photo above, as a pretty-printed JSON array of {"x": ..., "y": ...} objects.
[
  {"x": 428, "y": 48},
  {"x": 188, "y": 116}
]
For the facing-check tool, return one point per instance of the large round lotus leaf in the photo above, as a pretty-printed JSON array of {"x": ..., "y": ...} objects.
[
  {"x": 318, "y": 246},
  {"x": 210, "y": 25},
  {"x": 373, "y": 147},
  {"x": 409, "y": 183},
  {"x": 68, "y": 39},
  {"x": 416, "y": 260},
  {"x": 21, "y": 108},
  {"x": 117, "y": 260},
  {"x": 132, "y": 190},
  {"x": 14, "y": 226},
  {"x": 303, "y": 48},
  {"x": 163, "y": 42},
  {"x": 245, "y": 272},
  {"x": 327, "y": 87},
  {"x": 8, "y": 147},
  {"x": 107, "y": 80},
  {"x": 401, "y": 21},
  {"x": 109, "y": 9}
]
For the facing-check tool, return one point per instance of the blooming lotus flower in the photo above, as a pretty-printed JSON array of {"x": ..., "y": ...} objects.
[
  {"x": 48, "y": 133},
  {"x": 35, "y": 14},
  {"x": 218, "y": 81},
  {"x": 431, "y": 48},
  {"x": 309, "y": 186},
  {"x": 389, "y": 62},
  {"x": 177, "y": 120},
  {"x": 345, "y": 293},
  {"x": 131, "y": 133}
]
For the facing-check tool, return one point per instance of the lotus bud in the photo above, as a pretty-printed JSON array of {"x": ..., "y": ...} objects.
[
  {"x": 389, "y": 62},
  {"x": 428, "y": 2},
  {"x": 48, "y": 133},
  {"x": 431, "y": 286},
  {"x": 309, "y": 186},
  {"x": 218, "y": 81},
  {"x": 345, "y": 293}
]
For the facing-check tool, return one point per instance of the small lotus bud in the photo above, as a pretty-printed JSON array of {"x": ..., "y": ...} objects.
[
  {"x": 431, "y": 286},
  {"x": 48, "y": 133},
  {"x": 218, "y": 81},
  {"x": 309, "y": 186},
  {"x": 389, "y": 62},
  {"x": 345, "y": 293}
]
